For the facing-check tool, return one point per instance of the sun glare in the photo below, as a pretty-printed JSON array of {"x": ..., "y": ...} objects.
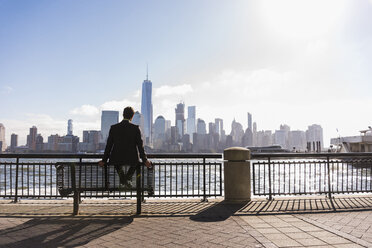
[{"x": 301, "y": 19}]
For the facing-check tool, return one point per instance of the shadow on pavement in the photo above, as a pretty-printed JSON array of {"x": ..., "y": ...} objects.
[
  {"x": 60, "y": 231},
  {"x": 218, "y": 212}
]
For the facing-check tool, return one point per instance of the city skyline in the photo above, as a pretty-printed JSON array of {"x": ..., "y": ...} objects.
[
  {"x": 168, "y": 138},
  {"x": 270, "y": 58}
]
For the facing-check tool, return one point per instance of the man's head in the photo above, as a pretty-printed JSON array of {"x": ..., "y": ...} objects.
[{"x": 128, "y": 113}]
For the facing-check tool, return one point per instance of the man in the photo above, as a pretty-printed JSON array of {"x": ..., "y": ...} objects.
[{"x": 123, "y": 145}]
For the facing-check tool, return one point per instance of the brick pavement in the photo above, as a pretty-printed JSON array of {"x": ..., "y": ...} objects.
[{"x": 191, "y": 223}]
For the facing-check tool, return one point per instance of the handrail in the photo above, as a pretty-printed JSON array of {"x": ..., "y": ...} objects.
[
  {"x": 100, "y": 155},
  {"x": 191, "y": 155},
  {"x": 310, "y": 155}
]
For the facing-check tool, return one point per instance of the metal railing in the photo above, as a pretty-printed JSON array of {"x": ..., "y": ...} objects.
[
  {"x": 307, "y": 173},
  {"x": 175, "y": 175},
  {"x": 201, "y": 175}
]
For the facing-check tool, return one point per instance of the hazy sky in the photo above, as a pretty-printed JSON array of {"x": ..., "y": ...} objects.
[{"x": 287, "y": 62}]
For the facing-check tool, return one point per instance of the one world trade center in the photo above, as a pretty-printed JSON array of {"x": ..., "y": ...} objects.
[{"x": 146, "y": 109}]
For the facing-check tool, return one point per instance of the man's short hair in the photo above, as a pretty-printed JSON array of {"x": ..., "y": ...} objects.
[{"x": 128, "y": 113}]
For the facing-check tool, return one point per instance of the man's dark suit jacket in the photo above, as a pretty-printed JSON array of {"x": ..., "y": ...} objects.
[{"x": 123, "y": 144}]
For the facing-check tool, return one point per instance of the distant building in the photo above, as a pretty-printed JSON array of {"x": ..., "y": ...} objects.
[
  {"x": 191, "y": 121},
  {"x": 31, "y": 139},
  {"x": 201, "y": 127},
  {"x": 52, "y": 144},
  {"x": 255, "y": 138},
  {"x": 68, "y": 143},
  {"x": 2, "y": 138},
  {"x": 297, "y": 140},
  {"x": 69, "y": 127},
  {"x": 138, "y": 120},
  {"x": 39, "y": 143},
  {"x": 237, "y": 133},
  {"x": 159, "y": 132},
  {"x": 218, "y": 124},
  {"x": 281, "y": 137},
  {"x": 250, "y": 121},
  {"x": 264, "y": 138},
  {"x": 180, "y": 119},
  {"x": 211, "y": 128},
  {"x": 248, "y": 138},
  {"x": 314, "y": 135},
  {"x": 91, "y": 141},
  {"x": 146, "y": 109},
  {"x": 108, "y": 118},
  {"x": 13, "y": 142}
]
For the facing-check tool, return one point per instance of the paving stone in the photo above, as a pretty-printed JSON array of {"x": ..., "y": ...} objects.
[
  {"x": 335, "y": 240},
  {"x": 310, "y": 242},
  {"x": 287, "y": 230},
  {"x": 268, "y": 230},
  {"x": 348, "y": 246},
  {"x": 285, "y": 242},
  {"x": 299, "y": 235}
]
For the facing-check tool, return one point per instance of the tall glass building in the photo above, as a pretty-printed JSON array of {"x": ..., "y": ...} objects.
[
  {"x": 69, "y": 127},
  {"x": 180, "y": 119},
  {"x": 108, "y": 118},
  {"x": 146, "y": 109},
  {"x": 191, "y": 121}
]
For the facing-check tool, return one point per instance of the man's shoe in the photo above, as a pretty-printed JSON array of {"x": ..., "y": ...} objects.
[
  {"x": 150, "y": 192},
  {"x": 125, "y": 186},
  {"x": 128, "y": 185}
]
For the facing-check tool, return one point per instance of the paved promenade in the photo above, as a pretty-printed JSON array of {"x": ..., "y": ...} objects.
[{"x": 310, "y": 222}]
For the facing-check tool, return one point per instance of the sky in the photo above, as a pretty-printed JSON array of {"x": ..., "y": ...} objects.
[{"x": 291, "y": 62}]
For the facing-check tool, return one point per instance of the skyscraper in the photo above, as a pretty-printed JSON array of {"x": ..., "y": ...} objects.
[
  {"x": 191, "y": 121},
  {"x": 31, "y": 138},
  {"x": 69, "y": 127},
  {"x": 201, "y": 127},
  {"x": 219, "y": 126},
  {"x": 250, "y": 121},
  {"x": 180, "y": 119},
  {"x": 13, "y": 141},
  {"x": 108, "y": 119},
  {"x": 2, "y": 138},
  {"x": 139, "y": 121},
  {"x": 159, "y": 132},
  {"x": 146, "y": 109}
]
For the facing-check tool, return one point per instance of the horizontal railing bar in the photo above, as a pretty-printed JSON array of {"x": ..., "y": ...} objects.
[
  {"x": 309, "y": 155},
  {"x": 254, "y": 156},
  {"x": 99, "y": 156}
]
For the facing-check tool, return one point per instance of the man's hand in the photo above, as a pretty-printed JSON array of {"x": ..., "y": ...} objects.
[
  {"x": 101, "y": 163},
  {"x": 148, "y": 164}
]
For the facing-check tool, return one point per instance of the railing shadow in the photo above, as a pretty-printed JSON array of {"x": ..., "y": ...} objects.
[
  {"x": 218, "y": 212},
  {"x": 60, "y": 231},
  {"x": 307, "y": 205}
]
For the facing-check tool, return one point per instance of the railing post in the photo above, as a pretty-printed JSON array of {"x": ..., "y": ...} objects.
[
  {"x": 329, "y": 179},
  {"x": 237, "y": 172},
  {"x": 329, "y": 185},
  {"x": 270, "y": 190},
  {"x": 139, "y": 189},
  {"x": 16, "y": 183},
  {"x": 75, "y": 189},
  {"x": 80, "y": 168},
  {"x": 204, "y": 183}
]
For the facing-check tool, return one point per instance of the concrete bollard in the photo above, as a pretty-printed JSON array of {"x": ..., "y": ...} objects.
[{"x": 237, "y": 172}]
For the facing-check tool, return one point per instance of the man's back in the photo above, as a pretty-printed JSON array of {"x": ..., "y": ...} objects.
[{"x": 122, "y": 144}]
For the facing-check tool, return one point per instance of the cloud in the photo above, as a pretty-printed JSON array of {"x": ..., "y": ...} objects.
[
  {"x": 169, "y": 90},
  {"x": 6, "y": 90},
  {"x": 118, "y": 105},
  {"x": 85, "y": 110}
]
